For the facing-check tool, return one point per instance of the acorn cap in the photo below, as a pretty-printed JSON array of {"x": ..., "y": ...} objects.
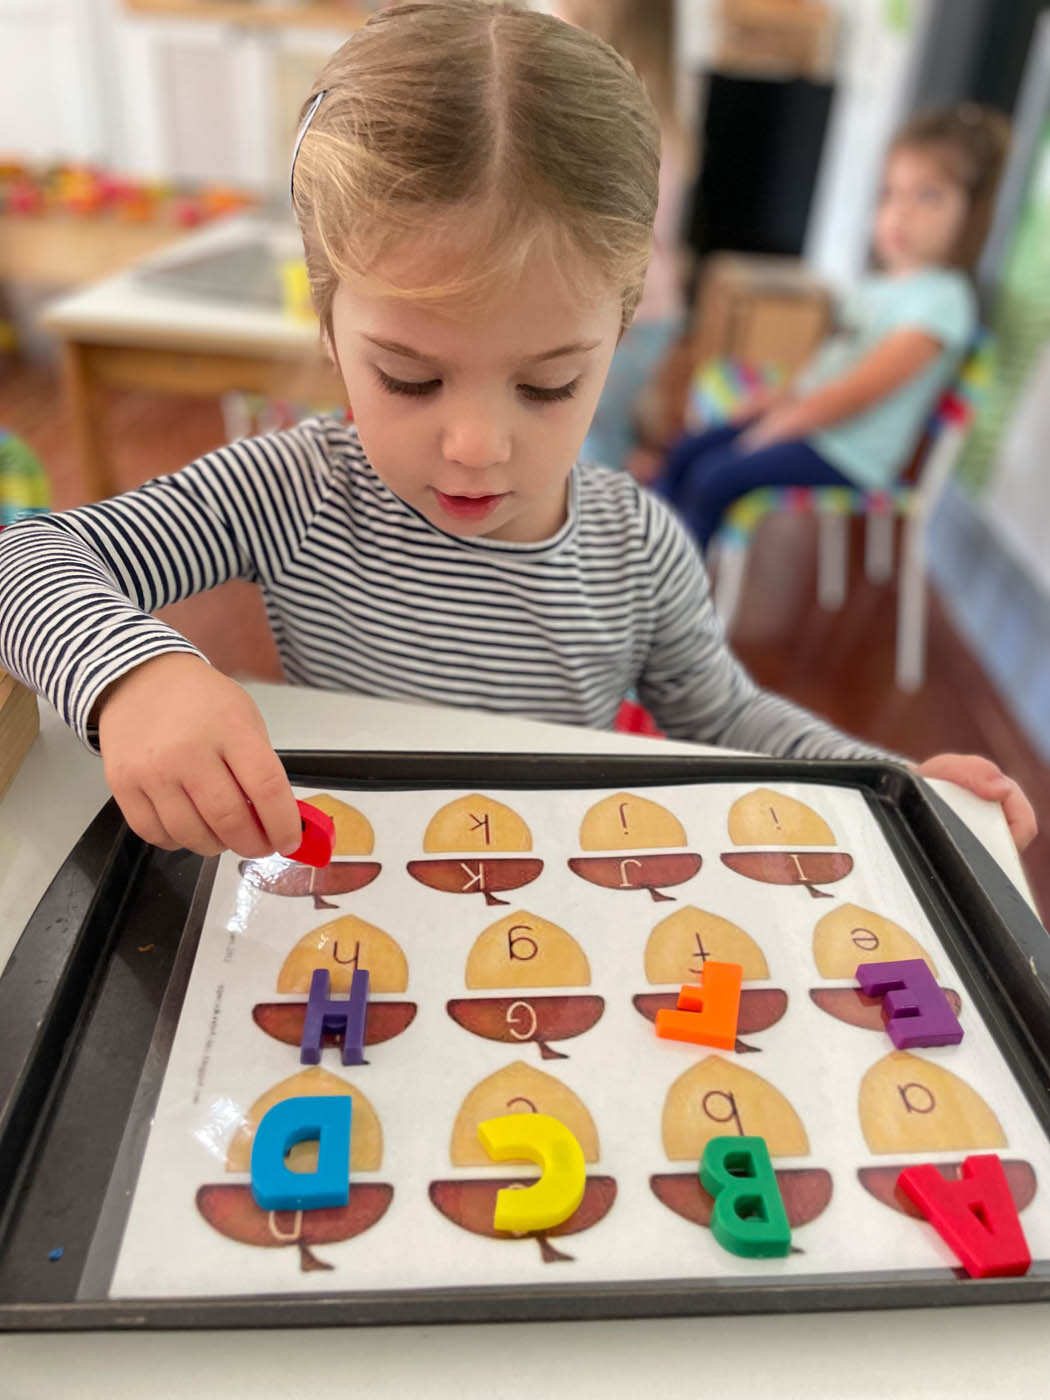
[
  {"x": 353, "y": 831},
  {"x": 849, "y": 936},
  {"x": 518, "y": 1089},
  {"x": 340, "y": 946},
  {"x": 366, "y": 1133},
  {"x": 768, "y": 818},
  {"x": 476, "y": 823},
  {"x": 908, "y": 1104},
  {"x": 522, "y": 950},
  {"x": 717, "y": 1098},
  {"x": 625, "y": 822},
  {"x": 677, "y": 945}
]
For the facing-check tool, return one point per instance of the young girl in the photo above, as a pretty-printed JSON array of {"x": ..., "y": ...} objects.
[
  {"x": 475, "y": 185},
  {"x": 642, "y": 31},
  {"x": 854, "y": 415}
]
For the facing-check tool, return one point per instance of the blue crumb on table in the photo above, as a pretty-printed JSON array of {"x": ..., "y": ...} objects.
[{"x": 56, "y": 1254}]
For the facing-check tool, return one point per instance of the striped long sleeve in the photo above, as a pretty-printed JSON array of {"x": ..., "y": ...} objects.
[{"x": 365, "y": 595}]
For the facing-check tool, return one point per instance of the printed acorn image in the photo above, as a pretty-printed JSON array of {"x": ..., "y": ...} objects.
[
  {"x": 341, "y": 947},
  {"x": 848, "y": 937},
  {"x": 353, "y": 837},
  {"x": 676, "y": 952},
  {"x": 626, "y": 822},
  {"x": 477, "y": 828},
  {"x": 230, "y": 1207},
  {"x": 767, "y": 818},
  {"x": 470, "y": 1202},
  {"x": 719, "y": 1098},
  {"x": 521, "y": 951},
  {"x": 911, "y": 1105}
]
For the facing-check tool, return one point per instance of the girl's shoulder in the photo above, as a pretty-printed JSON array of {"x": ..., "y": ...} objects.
[
  {"x": 613, "y": 507},
  {"x": 317, "y": 450},
  {"x": 944, "y": 300},
  {"x": 331, "y": 440},
  {"x": 940, "y": 300},
  {"x": 924, "y": 284}
]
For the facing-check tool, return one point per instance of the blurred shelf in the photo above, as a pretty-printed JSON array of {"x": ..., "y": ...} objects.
[{"x": 312, "y": 14}]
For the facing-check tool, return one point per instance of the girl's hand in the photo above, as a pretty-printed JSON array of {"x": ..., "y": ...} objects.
[
  {"x": 983, "y": 777},
  {"x": 188, "y": 759},
  {"x": 759, "y": 402},
  {"x": 778, "y": 425}
]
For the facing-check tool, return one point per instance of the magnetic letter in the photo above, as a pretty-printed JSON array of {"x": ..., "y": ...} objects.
[
  {"x": 318, "y": 837},
  {"x": 976, "y": 1216},
  {"x": 707, "y": 1014},
  {"x": 917, "y": 1011},
  {"x": 748, "y": 1216},
  {"x": 544, "y": 1140},
  {"x": 325, "y": 1118},
  {"x": 325, "y": 1013}
]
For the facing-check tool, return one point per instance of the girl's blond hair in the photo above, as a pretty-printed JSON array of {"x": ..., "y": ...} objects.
[
  {"x": 477, "y": 124},
  {"x": 970, "y": 144}
]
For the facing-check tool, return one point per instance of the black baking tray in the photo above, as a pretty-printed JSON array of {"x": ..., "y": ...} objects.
[{"x": 83, "y": 1043}]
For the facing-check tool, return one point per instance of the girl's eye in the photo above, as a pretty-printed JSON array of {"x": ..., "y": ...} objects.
[
  {"x": 414, "y": 388},
  {"x": 538, "y": 395}
]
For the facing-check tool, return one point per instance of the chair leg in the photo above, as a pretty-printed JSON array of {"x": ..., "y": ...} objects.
[
  {"x": 878, "y": 547},
  {"x": 236, "y": 416},
  {"x": 729, "y": 569},
  {"x": 911, "y": 608},
  {"x": 832, "y": 559}
]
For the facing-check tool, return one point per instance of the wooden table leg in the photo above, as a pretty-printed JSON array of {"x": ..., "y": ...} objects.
[{"x": 95, "y": 466}]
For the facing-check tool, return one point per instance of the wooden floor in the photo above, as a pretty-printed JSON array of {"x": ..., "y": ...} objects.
[{"x": 838, "y": 664}]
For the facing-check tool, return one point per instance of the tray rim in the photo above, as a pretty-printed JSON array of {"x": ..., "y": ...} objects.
[{"x": 924, "y": 832}]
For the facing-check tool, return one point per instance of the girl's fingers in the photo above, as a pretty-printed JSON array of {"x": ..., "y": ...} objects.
[
  {"x": 261, "y": 777},
  {"x": 1020, "y": 817},
  {"x": 141, "y": 815},
  {"x": 980, "y": 775},
  {"x": 985, "y": 779},
  {"x": 227, "y": 812},
  {"x": 187, "y": 827}
]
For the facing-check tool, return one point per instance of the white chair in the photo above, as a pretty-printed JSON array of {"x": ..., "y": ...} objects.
[{"x": 914, "y": 499}]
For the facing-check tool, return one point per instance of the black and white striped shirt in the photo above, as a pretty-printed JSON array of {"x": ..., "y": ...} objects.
[{"x": 366, "y": 596}]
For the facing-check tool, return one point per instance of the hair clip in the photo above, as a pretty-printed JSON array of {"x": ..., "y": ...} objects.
[{"x": 304, "y": 127}]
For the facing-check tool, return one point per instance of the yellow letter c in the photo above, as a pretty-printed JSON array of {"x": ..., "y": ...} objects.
[{"x": 540, "y": 1139}]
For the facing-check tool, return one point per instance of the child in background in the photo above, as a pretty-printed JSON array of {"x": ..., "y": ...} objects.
[
  {"x": 476, "y": 185},
  {"x": 642, "y": 31},
  {"x": 854, "y": 415}
]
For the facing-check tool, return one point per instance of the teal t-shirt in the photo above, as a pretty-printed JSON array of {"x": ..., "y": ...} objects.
[{"x": 873, "y": 447}]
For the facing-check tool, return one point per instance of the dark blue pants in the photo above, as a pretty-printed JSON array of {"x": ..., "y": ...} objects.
[{"x": 707, "y": 472}]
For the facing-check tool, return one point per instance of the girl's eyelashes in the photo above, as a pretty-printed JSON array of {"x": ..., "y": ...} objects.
[
  {"x": 558, "y": 395},
  {"x": 421, "y": 388},
  {"x": 414, "y": 388}
]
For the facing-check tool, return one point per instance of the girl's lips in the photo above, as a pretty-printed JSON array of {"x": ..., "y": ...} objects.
[{"x": 469, "y": 507}]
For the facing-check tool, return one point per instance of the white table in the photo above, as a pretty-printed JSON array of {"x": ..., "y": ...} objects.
[
  {"x": 959, "y": 1353},
  {"x": 126, "y": 332}
]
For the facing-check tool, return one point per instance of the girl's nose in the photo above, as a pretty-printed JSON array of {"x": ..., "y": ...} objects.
[{"x": 476, "y": 442}]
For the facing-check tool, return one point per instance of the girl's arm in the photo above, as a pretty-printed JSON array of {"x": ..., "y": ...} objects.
[
  {"x": 696, "y": 689},
  {"x": 691, "y": 682},
  {"x": 185, "y": 749},
  {"x": 888, "y": 365},
  {"x": 77, "y": 589}
]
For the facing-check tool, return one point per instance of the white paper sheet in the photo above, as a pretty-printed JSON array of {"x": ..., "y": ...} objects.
[{"x": 221, "y": 1062}]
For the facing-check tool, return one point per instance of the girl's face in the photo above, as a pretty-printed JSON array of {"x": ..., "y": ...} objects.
[
  {"x": 921, "y": 212},
  {"x": 475, "y": 417}
]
